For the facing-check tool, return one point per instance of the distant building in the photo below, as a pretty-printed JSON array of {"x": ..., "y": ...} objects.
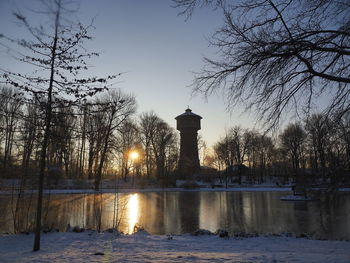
[{"x": 188, "y": 124}]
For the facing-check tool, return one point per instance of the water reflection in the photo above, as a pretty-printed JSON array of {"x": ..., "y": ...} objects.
[
  {"x": 183, "y": 212},
  {"x": 211, "y": 210},
  {"x": 133, "y": 212}
]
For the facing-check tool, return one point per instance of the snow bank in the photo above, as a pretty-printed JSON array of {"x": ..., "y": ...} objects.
[
  {"x": 231, "y": 189},
  {"x": 298, "y": 198},
  {"x": 91, "y": 191},
  {"x": 91, "y": 246}
]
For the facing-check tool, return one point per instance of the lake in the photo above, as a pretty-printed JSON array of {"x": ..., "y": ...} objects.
[{"x": 185, "y": 212}]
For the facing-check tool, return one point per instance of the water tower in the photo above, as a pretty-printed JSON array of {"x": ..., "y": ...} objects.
[{"x": 188, "y": 124}]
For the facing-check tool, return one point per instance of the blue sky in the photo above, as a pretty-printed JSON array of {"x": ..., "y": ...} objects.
[{"x": 158, "y": 50}]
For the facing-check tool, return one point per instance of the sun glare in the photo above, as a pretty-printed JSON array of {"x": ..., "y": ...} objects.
[{"x": 134, "y": 155}]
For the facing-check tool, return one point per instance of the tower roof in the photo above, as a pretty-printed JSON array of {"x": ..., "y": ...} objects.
[{"x": 188, "y": 112}]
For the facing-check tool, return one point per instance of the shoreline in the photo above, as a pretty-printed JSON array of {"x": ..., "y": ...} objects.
[
  {"x": 157, "y": 189},
  {"x": 154, "y": 189}
]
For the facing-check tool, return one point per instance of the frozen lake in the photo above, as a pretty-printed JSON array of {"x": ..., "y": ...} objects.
[{"x": 184, "y": 212}]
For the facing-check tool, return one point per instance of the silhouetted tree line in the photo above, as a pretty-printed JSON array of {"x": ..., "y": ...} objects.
[
  {"x": 53, "y": 124},
  {"x": 86, "y": 142},
  {"x": 316, "y": 149},
  {"x": 94, "y": 142}
]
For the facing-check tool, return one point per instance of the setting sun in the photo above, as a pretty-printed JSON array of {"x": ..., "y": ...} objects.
[{"x": 134, "y": 155}]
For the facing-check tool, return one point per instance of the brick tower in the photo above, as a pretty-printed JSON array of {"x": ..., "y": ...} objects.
[{"x": 188, "y": 124}]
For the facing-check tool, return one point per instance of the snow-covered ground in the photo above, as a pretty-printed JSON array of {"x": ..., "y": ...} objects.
[
  {"x": 298, "y": 198},
  {"x": 140, "y": 247}
]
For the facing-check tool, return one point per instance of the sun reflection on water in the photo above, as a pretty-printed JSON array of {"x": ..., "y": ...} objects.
[{"x": 133, "y": 212}]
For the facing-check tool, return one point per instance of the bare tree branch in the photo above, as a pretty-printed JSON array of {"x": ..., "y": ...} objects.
[{"x": 278, "y": 55}]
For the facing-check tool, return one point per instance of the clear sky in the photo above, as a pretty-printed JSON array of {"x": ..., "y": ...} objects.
[{"x": 158, "y": 49}]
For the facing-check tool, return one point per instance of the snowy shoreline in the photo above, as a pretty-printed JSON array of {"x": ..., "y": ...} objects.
[
  {"x": 145, "y": 190},
  {"x": 91, "y": 246}
]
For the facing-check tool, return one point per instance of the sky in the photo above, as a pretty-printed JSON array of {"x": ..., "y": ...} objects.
[{"x": 156, "y": 48}]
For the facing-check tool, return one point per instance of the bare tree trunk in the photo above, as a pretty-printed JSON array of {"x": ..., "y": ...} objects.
[
  {"x": 46, "y": 136},
  {"x": 82, "y": 148},
  {"x": 98, "y": 177}
]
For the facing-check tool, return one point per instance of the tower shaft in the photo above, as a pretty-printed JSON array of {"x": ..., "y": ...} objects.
[{"x": 188, "y": 124}]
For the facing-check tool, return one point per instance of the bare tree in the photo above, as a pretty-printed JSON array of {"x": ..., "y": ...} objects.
[
  {"x": 172, "y": 153},
  {"x": 224, "y": 151},
  {"x": 57, "y": 54},
  {"x": 239, "y": 144},
  {"x": 343, "y": 128},
  {"x": 94, "y": 124},
  {"x": 10, "y": 114},
  {"x": 276, "y": 55},
  {"x": 259, "y": 153},
  {"x": 82, "y": 141},
  {"x": 29, "y": 135},
  {"x": 163, "y": 137},
  {"x": 265, "y": 150},
  {"x": 128, "y": 140},
  {"x": 147, "y": 124},
  {"x": 116, "y": 107},
  {"x": 293, "y": 142},
  {"x": 160, "y": 145},
  {"x": 233, "y": 147},
  {"x": 318, "y": 128}
]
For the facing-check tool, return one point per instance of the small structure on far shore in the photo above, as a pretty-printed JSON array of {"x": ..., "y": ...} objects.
[{"x": 188, "y": 124}]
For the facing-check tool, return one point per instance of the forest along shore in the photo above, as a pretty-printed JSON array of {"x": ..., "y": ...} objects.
[
  {"x": 91, "y": 246},
  {"x": 175, "y": 189},
  {"x": 143, "y": 190}
]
